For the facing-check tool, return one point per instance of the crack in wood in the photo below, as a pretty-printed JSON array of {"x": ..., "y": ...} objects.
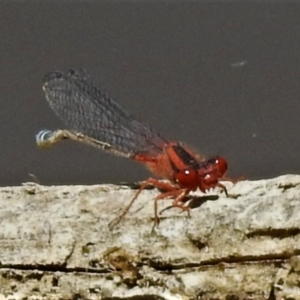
[
  {"x": 278, "y": 258},
  {"x": 68, "y": 257},
  {"x": 54, "y": 268},
  {"x": 280, "y": 233}
]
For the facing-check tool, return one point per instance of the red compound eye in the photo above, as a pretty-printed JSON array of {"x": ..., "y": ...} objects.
[{"x": 221, "y": 165}]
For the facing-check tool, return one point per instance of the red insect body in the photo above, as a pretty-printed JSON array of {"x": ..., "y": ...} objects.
[
  {"x": 95, "y": 119},
  {"x": 186, "y": 172},
  {"x": 197, "y": 173}
]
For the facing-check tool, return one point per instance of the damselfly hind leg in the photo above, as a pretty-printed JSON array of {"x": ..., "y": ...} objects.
[{"x": 171, "y": 190}]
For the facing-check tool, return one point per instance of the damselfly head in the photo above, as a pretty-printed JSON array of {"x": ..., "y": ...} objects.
[{"x": 221, "y": 165}]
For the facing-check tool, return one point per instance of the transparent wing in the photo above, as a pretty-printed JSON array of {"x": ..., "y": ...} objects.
[{"x": 85, "y": 109}]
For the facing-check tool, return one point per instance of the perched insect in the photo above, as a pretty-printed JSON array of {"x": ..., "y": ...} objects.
[{"x": 95, "y": 119}]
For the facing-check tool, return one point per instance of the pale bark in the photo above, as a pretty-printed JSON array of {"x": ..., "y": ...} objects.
[{"x": 55, "y": 243}]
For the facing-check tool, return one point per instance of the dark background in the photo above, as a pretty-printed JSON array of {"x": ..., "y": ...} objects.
[{"x": 224, "y": 78}]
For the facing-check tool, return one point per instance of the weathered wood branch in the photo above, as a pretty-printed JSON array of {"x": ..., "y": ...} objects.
[{"x": 55, "y": 243}]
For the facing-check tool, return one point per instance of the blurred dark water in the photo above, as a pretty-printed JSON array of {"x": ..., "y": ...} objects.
[{"x": 224, "y": 78}]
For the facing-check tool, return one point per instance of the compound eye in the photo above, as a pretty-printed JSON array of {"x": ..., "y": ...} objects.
[
  {"x": 222, "y": 165},
  {"x": 187, "y": 178}
]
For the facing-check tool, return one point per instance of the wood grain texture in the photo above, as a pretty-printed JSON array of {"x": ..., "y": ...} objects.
[{"x": 55, "y": 243}]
